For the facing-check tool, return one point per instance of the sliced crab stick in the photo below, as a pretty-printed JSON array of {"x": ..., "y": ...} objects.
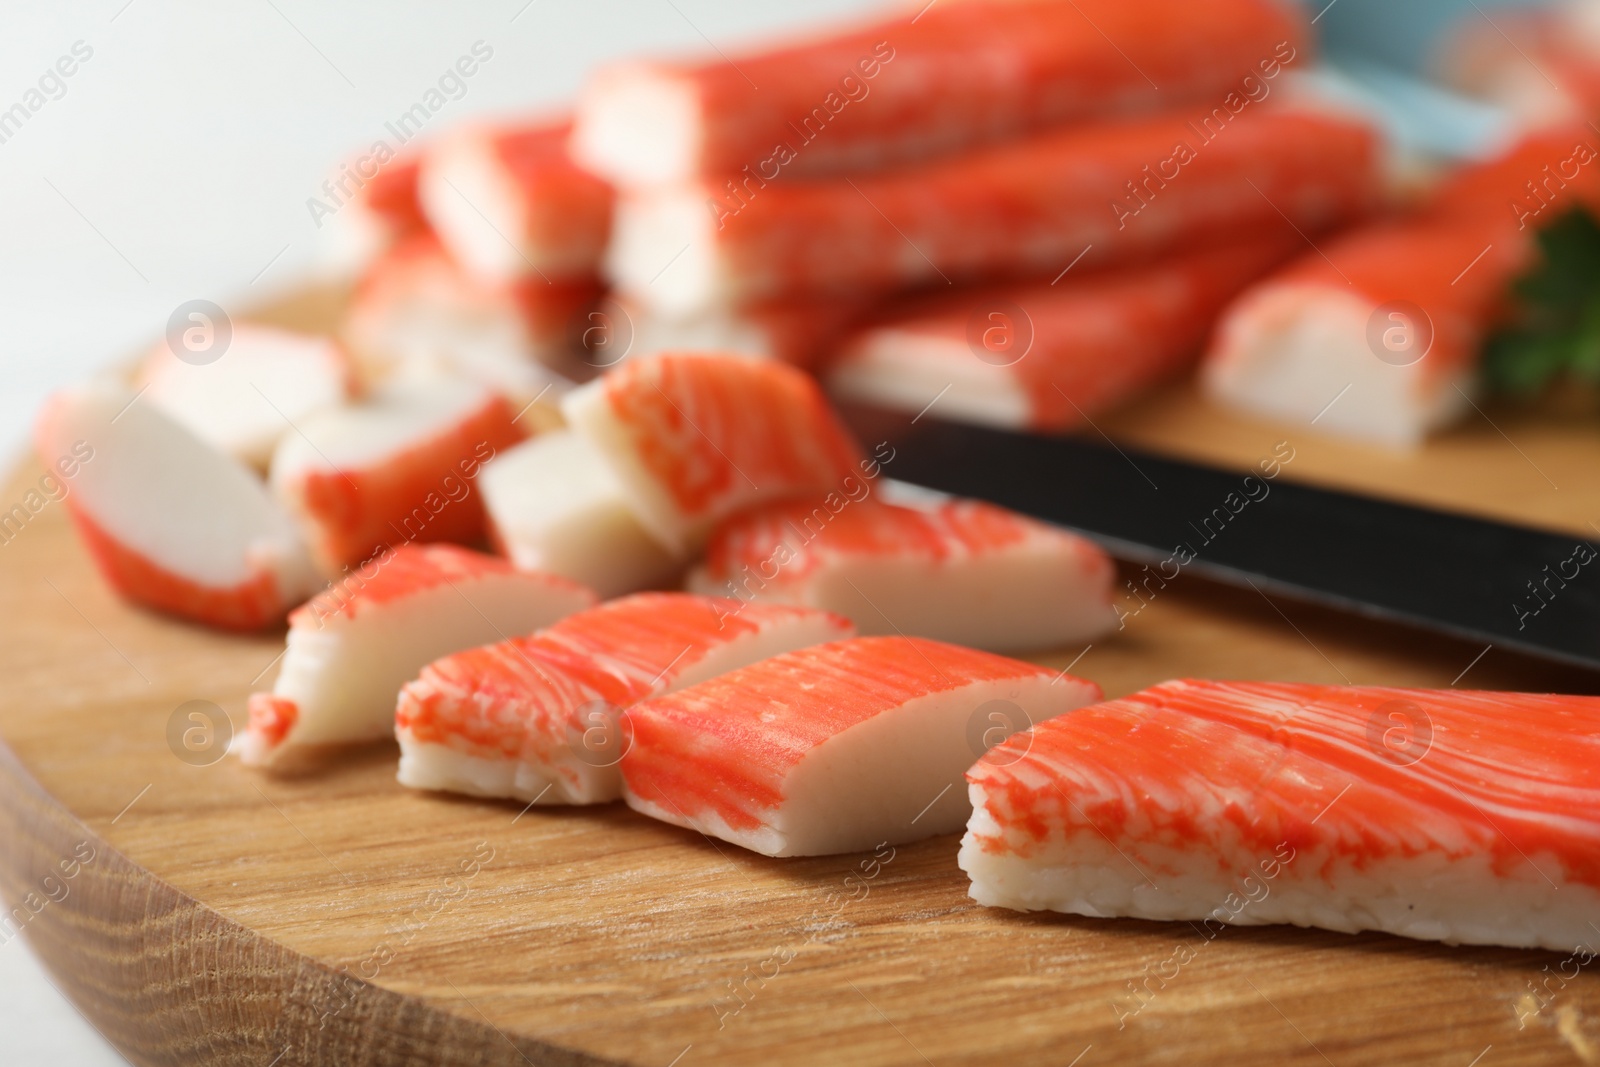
[
  {"x": 352, "y": 647},
  {"x": 244, "y": 392},
  {"x": 932, "y": 79},
  {"x": 801, "y": 331},
  {"x": 555, "y": 506},
  {"x": 509, "y": 203},
  {"x": 1048, "y": 355},
  {"x": 1105, "y": 192},
  {"x": 397, "y": 467},
  {"x": 694, "y": 437},
  {"x": 540, "y": 718},
  {"x": 835, "y": 748},
  {"x": 172, "y": 522},
  {"x": 1454, "y": 816},
  {"x": 961, "y": 571},
  {"x": 418, "y": 315},
  {"x": 366, "y": 207},
  {"x": 1541, "y": 65}
]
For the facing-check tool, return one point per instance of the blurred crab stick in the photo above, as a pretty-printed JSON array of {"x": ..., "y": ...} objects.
[
  {"x": 961, "y": 571},
  {"x": 416, "y": 315},
  {"x": 1377, "y": 336},
  {"x": 1048, "y": 355},
  {"x": 694, "y": 437},
  {"x": 509, "y": 203},
  {"x": 934, "y": 79},
  {"x": 1444, "y": 815},
  {"x": 555, "y": 506},
  {"x": 1542, "y": 65},
  {"x": 170, "y": 521},
  {"x": 835, "y": 748},
  {"x": 357, "y": 225},
  {"x": 352, "y": 647},
  {"x": 1107, "y": 193},
  {"x": 801, "y": 330},
  {"x": 397, "y": 467},
  {"x": 540, "y": 718}
]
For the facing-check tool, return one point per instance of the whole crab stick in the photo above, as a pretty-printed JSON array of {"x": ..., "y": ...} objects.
[
  {"x": 509, "y": 203},
  {"x": 933, "y": 79},
  {"x": 249, "y": 397},
  {"x": 352, "y": 647},
  {"x": 1049, "y": 355},
  {"x": 172, "y": 522},
  {"x": 398, "y": 467},
  {"x": 1105, "y": 192},
  {"x": 1444, "y": 815},
  {"x": 694, "y": 437},
  {"x": 835, "y": 748},
  {"x": 417, "y": 315},
  {"x": 960, "y": 571},
  {"x": 555, "y": 506},
  {"x": 1377, "y": 336},
  {"x": 540, "y": 718}
]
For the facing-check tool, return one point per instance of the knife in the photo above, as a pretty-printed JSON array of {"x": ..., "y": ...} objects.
[{"x": 1509, "y": 586}]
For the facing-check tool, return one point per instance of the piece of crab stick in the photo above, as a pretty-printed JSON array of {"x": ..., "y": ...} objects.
[
  {"x": 1048, "y": 355},
  {"x": 244, "y": 391},
  {"x": 837, "y": 747},
  {"x": 509, "y": 203},
  {"x": 541, "y": 718},
  {"x": 365, "y": 208},
  {"x": 352, "y": 647},
  {"x": 172, "y": 522},
  {"x": 1444, "y": 815},
  {"x": 1541, "y": 65},
  {"x": 801, "y": 331},
  {"x": 1106, "y": 192},
  {"x": 417, "y": 315},
  {"x": 397, "y": 467},
  {"x": 555, "y": 506},
  {"x": 694, "y": 437},
  {"x": 929, "y": 80},
  {"x": 961, "y": 570}
]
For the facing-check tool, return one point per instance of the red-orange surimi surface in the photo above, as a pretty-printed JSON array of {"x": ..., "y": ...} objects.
[
  {"x": 715, "y": 430},
  {"x": 944, "y": 76},
  {"x": 1366, "y": 773},
  {"x": 568, "y": 210},
  {"x": 406, "y": 571},
  {"x": 519, "y": 697},
  {"x": 403, "y": 497},
  {"x": 1123, "y": 191},
  {"x": 251, "y": 605},
  {"x": 724, "y": 747},
  {"x": 392, "y": 196},
  {"x": 788, "y": 537}
]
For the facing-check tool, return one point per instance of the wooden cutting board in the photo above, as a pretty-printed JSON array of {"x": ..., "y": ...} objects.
[{"x": 200, "y": 913}]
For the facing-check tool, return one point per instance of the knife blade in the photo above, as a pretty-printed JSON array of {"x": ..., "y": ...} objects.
[{"x": 1510, "y": 586}]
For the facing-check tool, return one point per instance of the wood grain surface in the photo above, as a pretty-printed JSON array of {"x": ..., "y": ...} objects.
[{"x": 214, "y": 915}]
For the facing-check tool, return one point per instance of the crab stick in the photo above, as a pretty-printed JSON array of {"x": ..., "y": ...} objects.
[
  {"x": 835, "y": 748},
  {"x": 1542, "y": 65},
  {"x": 1048, "y": 355},
  {"x": 541, "y": 718},
  {"x": 1105, "y": 192},
  {"x": 359, "y": 217},
  {"x": 398, "y": 467},
  {"x": 929, "y": 80},
  {"x": 801, "y": 331},
  {"x": 261, "y": 382},
  {"x": 555, "y": 506},
  {"x": 509, "y": 203},
  {"x": 170, "y": 521},
  {"x": 417, "y": 315},
  {"x": 1454, "y": 816},
  {"x": 961, "y": 570},
  {"x": 352, "y": 647},
  {"x": 694, "y": 437}
]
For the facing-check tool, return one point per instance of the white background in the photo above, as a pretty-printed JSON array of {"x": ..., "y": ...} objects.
[{"x": 178, "y": 163}]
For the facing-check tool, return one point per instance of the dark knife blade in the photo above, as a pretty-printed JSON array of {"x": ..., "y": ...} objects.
[{"x": 1510, "y": 586}]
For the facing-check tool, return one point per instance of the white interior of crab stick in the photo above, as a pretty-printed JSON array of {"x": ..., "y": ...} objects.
[
  {"x": 172, "y": 521},
  {"x": 555, "y": 506},
  {"x": 249, "y": 397},
  {"x": 664, "y": 252},
  {"x": 638, "y": 126},
  {"x": 907, "y": 370},
  {"x": 1287, "y": 352},
  {"x": 528, "y": 718},
  {"x": 475, "y": 206},
  {"x": 353, "y": 647},
  {"x": 835, "y": 748}
]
